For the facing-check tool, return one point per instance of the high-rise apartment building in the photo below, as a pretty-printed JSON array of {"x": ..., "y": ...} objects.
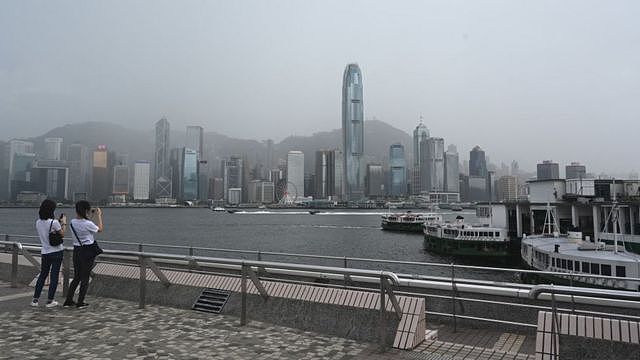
[
  {"x": 420, "y": 136},
  {"x": 338, "y": 172},
  {"x": 53, "y": 148},
  {"x": 161, "y": 168},
  {"x": 575, "y": 171},
  {"x": 325, "y": 174},
  {"x": 451, "y": 170},
  {"x": 397, "y": 170},
  {"x": 141, "y": 173},
  {"x": 353, "y": 133},
  {"x": 477, "y": 163},
  {"x": 295, "y": 175},
  {"x": 548, "y": 170}
]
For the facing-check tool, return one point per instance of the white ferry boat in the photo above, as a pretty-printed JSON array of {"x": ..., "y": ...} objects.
[
  {"x": 463, "y": 240},
  {"x": 570, "y": 257},
  {"x": 409, "y": 221}
]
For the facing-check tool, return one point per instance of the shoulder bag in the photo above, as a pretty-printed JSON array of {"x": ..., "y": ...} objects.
[
  {"x": 55, "y": 238},
  {"x": 87, "y": 251}
]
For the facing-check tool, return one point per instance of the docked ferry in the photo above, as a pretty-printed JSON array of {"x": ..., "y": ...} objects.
[
  {"x": 409, "y": 221},
  {"x": 463, "y": 240},
  {"x": 570, "y": 258}
]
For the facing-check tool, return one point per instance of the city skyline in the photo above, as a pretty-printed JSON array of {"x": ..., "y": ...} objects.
[{"x": 445, "y": 61}]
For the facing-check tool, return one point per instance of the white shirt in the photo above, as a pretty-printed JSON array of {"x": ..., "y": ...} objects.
[
  {"x": 42, "y": 226},
  {"x": 84, "y": 230}
]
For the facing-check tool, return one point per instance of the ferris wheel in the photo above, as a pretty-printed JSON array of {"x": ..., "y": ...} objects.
[{"x": 286, "y": 192}]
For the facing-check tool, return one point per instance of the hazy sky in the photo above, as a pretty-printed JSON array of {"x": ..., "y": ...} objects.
[{"x": 526, "y": 80}]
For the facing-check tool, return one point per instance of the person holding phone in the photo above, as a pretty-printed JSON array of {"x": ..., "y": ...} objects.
[
  {"x": 83, "y": 229},
  {"x": 50, "y": 231}
]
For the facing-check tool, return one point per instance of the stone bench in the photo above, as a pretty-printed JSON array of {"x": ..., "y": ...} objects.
[{"x": 621, "y": 337}]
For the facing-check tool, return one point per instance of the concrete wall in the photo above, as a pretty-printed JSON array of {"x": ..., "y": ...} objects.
[
  {"x": 346, "y": 322},
  {"x": 580, "y": 348}
]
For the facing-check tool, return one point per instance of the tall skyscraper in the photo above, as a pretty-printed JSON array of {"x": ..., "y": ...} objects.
[
  {"x": 507, "y": 188},
  {"x": 295, "y": 175},
  {"x": 232, "y": 175},
  {"x": 78, "y": 158},
  {"x": 397, "y": 170},
  {"x": 451, "y": 170},
  {"x": 269, "y": 161},
  {"x": 434, "y": 165},
  {"x": 53, "y": 148},
  {"x": 184, "y": 162},
  {"x": 162, "y": 169},
  {"x": 548, "y": 170},
  {"x": 100, "y": 189},
  {"x": 338, "y": 156},
  {"x": 477, "y": 163},
  {"x": 13, "y": 148},
  {"x": 141, "y": 172},
  {"x": 353, "y": 133},
  {"x": 420, "y": 136},
  {"x": 120, "y": 180},
  {"x": 375, "y": 180},
  {"x": 195, "y": 139},
  {"x": 575, "y": 171},
  {"x": 325, "y": 174}
]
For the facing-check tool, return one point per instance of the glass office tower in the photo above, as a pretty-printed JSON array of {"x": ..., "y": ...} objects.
[{"x": 353, "y": 133}]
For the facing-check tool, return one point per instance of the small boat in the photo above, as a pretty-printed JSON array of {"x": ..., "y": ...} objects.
[
  {"x": 218, "y": 209},
  {"x": 232, "y": 211},
  {"x": 409, "y": 221},
  {"x": 456, "y": 208},
  {"x": 313, "y": 212}
]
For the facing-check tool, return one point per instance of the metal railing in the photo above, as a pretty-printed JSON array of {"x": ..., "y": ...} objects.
[
  {"x": 246, "y": 269},
  {"x": 404, "y": 284},
  {"x": 345, "y": 261}
]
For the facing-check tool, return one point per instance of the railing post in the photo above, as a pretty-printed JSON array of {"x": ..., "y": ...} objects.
[
  {"x": 14, "y": 265},
  {"x": 259, "y": 255},
  {"x": 243, "y": 290},
  {"x": 381, "y": 322},
  {"x": 554, "y": 325},
  {"x": 346, "y": 277},
  {"x": 66, "y": 270},
  {"x": 191, "y": 256},
  {"x": 453, "y": 297},
  {"x": 143, "y": 281},
  {"x": 140, "y": 247}
]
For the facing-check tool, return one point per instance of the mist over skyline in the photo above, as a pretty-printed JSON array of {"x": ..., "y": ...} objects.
[{"x": 524, "y": 80}]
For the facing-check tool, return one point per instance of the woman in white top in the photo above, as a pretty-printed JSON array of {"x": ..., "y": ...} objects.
[
  {"x": 83, "y": 230},
  {"x": 51, "y": 258}
]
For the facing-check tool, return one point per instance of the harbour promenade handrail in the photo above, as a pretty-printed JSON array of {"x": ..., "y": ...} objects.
[
  {"x": 345, "y": 260},
  {"x": 247, "y": 270},
  {"x": 389, "y": 283}
]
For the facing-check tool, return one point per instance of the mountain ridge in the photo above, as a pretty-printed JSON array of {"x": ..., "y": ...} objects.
[{"x": 139, "y": 144}]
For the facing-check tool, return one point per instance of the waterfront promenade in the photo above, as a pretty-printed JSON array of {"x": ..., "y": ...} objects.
[{"x": 118, "y": 329}]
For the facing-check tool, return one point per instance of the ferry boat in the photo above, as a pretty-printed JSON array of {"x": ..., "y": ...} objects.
[
  {"x": 219, "y": 209},
  {"x": 409, "y": 221},
  {"x": 463, "y": 240},
  {"x": 570, "y": 257}
]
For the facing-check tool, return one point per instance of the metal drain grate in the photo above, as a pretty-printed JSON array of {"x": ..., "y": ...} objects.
[{"x": 211, "y": 301}]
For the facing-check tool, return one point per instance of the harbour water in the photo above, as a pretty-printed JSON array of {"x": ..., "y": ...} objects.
[{"x": 350, "y": 233}]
